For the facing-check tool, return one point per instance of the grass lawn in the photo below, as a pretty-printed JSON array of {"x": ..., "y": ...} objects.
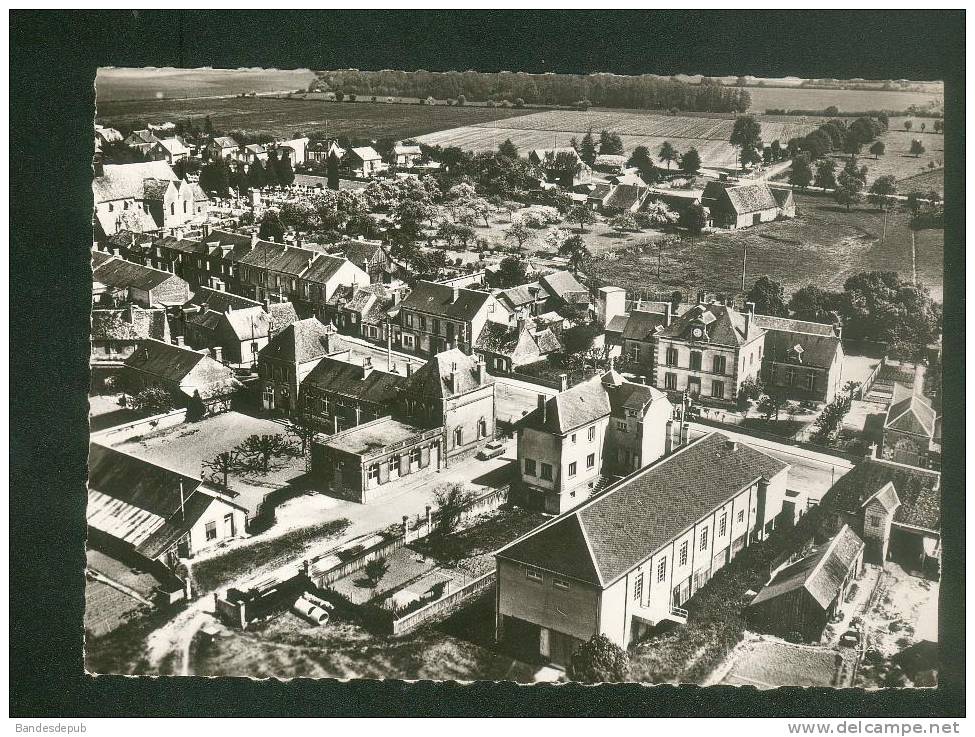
[
  {"x": 123, "y": 650},
  {"x": 289, "y": 117},
  {"x": 824, "y": 245},
  {"x": 785, "y": 428},
  {"x": 286, "y": 647},
  {"x": 209, "y": 574},
  {"x": 770, "y": 663}
]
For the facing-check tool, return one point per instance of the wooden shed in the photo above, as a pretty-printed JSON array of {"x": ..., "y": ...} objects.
[{"x": 804, "y": 595}]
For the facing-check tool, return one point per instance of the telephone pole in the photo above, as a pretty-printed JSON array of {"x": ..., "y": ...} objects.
[{"x": 744, "y": 262}]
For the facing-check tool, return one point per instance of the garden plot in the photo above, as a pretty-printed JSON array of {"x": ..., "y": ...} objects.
[{"x": 766, "y": 663}]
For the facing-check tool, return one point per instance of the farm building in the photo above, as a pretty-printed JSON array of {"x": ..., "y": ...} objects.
[
  {"x": 189, "y": 376},
  {"x": 140, "y": 510},
  {"x": 786, "y": 201},
  {"x": 222, "y": 147},
  {"x": 740, "y": 205},
  {"x": 802, "y": 596},
  {"x": 169, "y": 150},
  {"x": 894, "y": 508},
  {"x": 678, "y": 200}
]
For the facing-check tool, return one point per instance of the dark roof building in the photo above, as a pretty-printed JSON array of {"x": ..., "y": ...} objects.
[{"x": 304, "y": 341}]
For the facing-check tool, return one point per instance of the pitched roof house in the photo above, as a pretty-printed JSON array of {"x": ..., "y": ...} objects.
[
  {"x": 804, "y": 359},
  {"x": 142, "y": 197},
  {"x": 115, "y": 334},
  {"x": 155, "y": 512},
  {"x": 435, "y": 317},
  {"x": 339, "y": 394},
  {"x": 740, "y": 205},
  {"x": 116, "y": 280},
  {"x": 363, "y": 162},
  {"x": 504, "y": 348},
  {"x": 188, "y": 375},
  {"x": 629, "y": 557},
  {"x": 910, "y": 430}
]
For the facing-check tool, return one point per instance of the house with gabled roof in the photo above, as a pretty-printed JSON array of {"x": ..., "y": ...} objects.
[
  {"x": 290, "y": 356},
  {"x": 436, "y": 317},
  {"x": 143, "y": 197},
  {"x": 803, "y": 595},
  {"x": 630, "y": 557},
  {"x": 222, "y": 147},
  {"x": 327, "y": 274},
  {"x": 741, "y": 204},
  {"x": 337, "y": 394},
  {"x": 141, "y": 510},
  {"x": 504, "y": 348},
  {"x": 564, "y": 290},
  {"x": 363, "y": 162},
  {"x": 116, "y": 333},
  {"x": 141, "y": 141},
  {"x": 406, "y": 156},
  {"x": 895, "y": 508},
  {"x": 370, "y": 256},
  {"x": 238, "y": 334},
  {"x": 910, "y": 430},
  {"x": 189, "y": 376},
  {"x": 452, "y": 391},
  {"x": 169, "y": 150},
  {"x": 116, "y": 280}
]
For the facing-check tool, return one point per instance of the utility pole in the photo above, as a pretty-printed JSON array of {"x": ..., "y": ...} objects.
[
  {"x": 883, "y": 238},
  {"x": 913, "y": 259},
  {"x": 744, "y": 261}
]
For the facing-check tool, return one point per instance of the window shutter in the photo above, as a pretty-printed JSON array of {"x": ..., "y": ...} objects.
[
  {"x": 404, "y": 464},
  {"x": 383, "y": 472},
  {"x": 424, "y": 456}
]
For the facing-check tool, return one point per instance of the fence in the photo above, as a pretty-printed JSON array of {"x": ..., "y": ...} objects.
[
  {"x": 559, "y": 384},
  {"x": 868, "y": 383}
]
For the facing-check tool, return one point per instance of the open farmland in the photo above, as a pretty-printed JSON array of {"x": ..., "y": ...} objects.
[
  {"x": 847, "y": 101},
  {"x": 139, "y": 84},
  {"x": 556, "y": 127},
  {"x": 824, "y": 245},
  {"x": 286, "y": 117}
]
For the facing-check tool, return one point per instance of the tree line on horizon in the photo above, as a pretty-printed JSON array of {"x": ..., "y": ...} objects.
[{"x": 602, "y": 90}]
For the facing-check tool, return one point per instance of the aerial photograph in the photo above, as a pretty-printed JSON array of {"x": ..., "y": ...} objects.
[{"x": 507, "y": 376}]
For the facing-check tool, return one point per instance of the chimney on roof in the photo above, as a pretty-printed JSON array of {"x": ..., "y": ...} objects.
[
  {"x": 563, "y": 382},
  {"x": 179, "y": 340},
  {"x": 750, "y": 308},
  {"x": 366, "y": 366},
  {"x": 455, "y": 295},
  {"x": 748, "y": 317},
  {"x": 871, "y": 452},
  {"x": 667, "y": 315},
  {"x": 838, "y": 331},
  {"x": 479, "y": 369},
  {"x": 409, "y": 369},
  {"x": 452, "y": 379},
  {"x": 700, "y": 297},
  {"x": 205, "y": 230},
  {"x": 116, "y": 252},
  {"x": 218, "y": 353},
  {"x": 254, "y": 238},
  {"x": 731, "y": 445},
  {"x": 543, "y": 406}
]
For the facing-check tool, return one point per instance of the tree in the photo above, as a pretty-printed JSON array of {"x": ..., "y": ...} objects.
[
  {"x": 264, "y": 453},
  {"x": 801, "y": 174},
  {"x": 771, "y": 404},
  {"x": 451, "y": 500},
  {"x": 461, "y": 100},
  {"x": 221, "y": 466},
  {"x": 582, "y": 215},
  {"x": 587, "y": 149},
  {"x": 599, "y": 660},
  {"x": 667, "y": 153},
  {"x": 285, "y": 172},
  {"x": 339, "y": 95},
  {"x": 747, "y": 136},
  {"x": 302, "y": 429},
  {"x": 939, "y": 126},
  {"x": 848, "y": 196},
  {"x": 272, "y": 229},
  {"x": 215, "y": 177},
  {"x": 750, "y": 390},
  {"x": 768, "y": 297},
  {"x": 694, "y": 219},
  {"x": 658, "y": 214},
  {"x": 519, "y": 102},
  {"x": 917, "y": 148},
  {"x": 271, "y": 169},
  {"x": 208, "y": 126},
  {"x": 882, "y": 190},
  {"x": 153, "y": 399},
  {"x": 512, "y": 271},
  {"x": 375, "y": 569},
  {"x": 878, "y": 149},
  {"x": 575, "y": 249},
  {"x": 255, "y": 175},
  {"x": 849, "y": 189},
  {"x": 691, "y": 161},
  {"x": 519, "y": 232},
  {"x": 508, "y": 149},
  {"x": 825, "y": 174},
  {"x": 908, "y": 125},
  {"x": 814, "y": 304},
  {"x": 610, "y": 143},
  {"x": 643, "y": 161},
  {"x": 624, "y": 222}
]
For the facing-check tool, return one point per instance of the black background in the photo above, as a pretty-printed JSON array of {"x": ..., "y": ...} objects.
[{"x": 54, "y": 56}]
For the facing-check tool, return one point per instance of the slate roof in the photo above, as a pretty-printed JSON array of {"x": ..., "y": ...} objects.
[
  {"x": 155, "y": 189},
  {"x": 886, "y": 496},
  {"x": 225, "y": 142},
  {"x": 618, "y": 324},
  {"x": 723, "y": 325},
  {"x": 580, "y": 405},
  {"x": 523, "y": 294},
  {"x": 782, "y": 195},
  {"x": 129, "y": 325},
  {"x": 99, "y": 257},
  {"x": 220, "y": 301},
  {"x": 635, "y": 397},
  {"x": 817, "y": 350},
  {"x": 123, "y": 274},
  {"x": 912, "y": 415},
  {"x": 432, "y": 380},
  {"x": 821, "y": 573},
  {"x": 281, "y": 258},
  {"x": 303, "y": 341},
  {"x": 365, "y": 153},
  {"x": 516, "y": 342},
  {"x": 249, "y": 323},
  {"x": 670, "y": 495},
  {"x": 323, "y": 268},
  {"x": 372, "y": 436},
  {"x": 173, "y": 363},
  {"x": 599, "y": 191},
  {"x": 348, "y": 380},
  {"x": 126, "y": 181},
  {"x": 360, "y": 251},
  {"x": 919, "y": 491},
  {"x": 437, "y": 299},
  {"x": 174, "y": 146},
  {"x": 789, "y": 325},
  {"x": 641, "y": 325}
]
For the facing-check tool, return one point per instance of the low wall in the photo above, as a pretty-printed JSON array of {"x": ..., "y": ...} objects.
[
  {"x": 143, "y": 425},
  {"x": 443, "y": 605}
]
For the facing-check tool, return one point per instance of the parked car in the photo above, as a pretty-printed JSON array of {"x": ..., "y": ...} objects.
[
  {"x": 492, "y": 450},
  {"x": 850, "y": 638}
]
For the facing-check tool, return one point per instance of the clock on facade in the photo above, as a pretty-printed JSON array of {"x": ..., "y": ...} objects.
[{"x": 697, "y": 332}]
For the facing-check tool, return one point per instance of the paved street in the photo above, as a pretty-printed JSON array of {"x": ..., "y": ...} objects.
[{"x": 811, "y": 472}]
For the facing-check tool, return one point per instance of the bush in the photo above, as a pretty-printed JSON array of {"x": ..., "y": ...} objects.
[
  {"x": 795, "y": 637},
  {"x": 599, "y": 661}
]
